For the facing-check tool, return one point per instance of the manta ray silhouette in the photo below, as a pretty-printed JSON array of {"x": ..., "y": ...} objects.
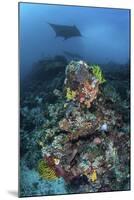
[{"x": 65, "y": 31}]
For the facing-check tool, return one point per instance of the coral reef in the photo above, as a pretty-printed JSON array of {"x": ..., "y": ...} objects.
[{"x": 78, "y": 133}]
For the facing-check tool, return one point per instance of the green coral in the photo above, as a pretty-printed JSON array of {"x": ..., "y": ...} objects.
[
  {"x": 70, "y": 95},
  {"x": 45, "y": 171},
  {"x": 97, "y": 72}
]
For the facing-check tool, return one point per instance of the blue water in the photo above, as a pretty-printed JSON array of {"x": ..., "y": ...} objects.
[{"x": 105, "y": 33}]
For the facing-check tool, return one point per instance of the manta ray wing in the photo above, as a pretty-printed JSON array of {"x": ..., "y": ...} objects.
[{"x": 65, "y": 31}]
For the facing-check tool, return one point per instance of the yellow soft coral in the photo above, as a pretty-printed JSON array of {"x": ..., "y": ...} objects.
[
  {"x": 93, "y": 176},
  {"x": 45, "y": 171},
  {"x": 70, "y": 95}
]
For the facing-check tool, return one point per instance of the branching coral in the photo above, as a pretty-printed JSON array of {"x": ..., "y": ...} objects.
[
  {"x": 45, "y": 171},
  {"x": 97, "y": 72}
]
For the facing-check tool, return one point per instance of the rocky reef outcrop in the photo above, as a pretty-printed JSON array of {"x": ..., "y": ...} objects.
[{"x": 82, "y": 136}]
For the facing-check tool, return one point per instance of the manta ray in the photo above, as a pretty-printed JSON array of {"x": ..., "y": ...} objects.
[{"x": 65, "y": 31}]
